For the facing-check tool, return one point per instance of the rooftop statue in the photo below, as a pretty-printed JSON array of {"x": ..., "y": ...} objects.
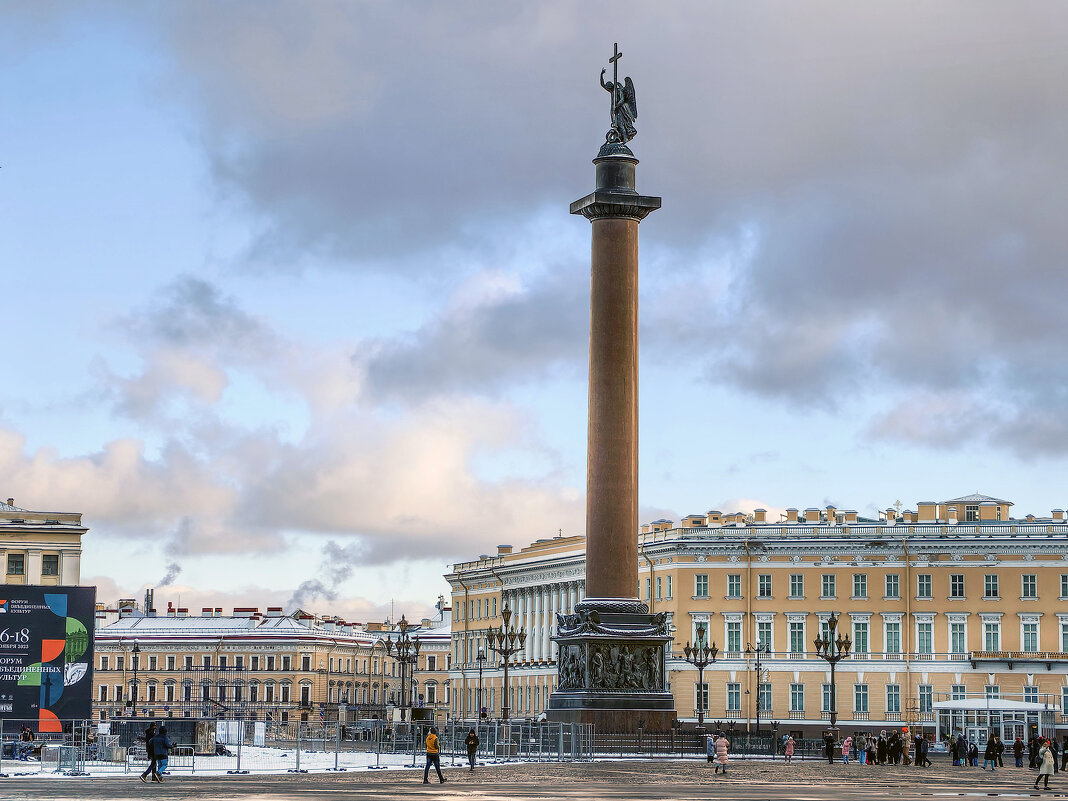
[{"x": 624, "y": 108}]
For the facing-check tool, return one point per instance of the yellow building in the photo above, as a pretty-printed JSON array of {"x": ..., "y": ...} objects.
[
  {"x": 952, "y": 602},
  {"x": 40, "y": 547},
  {"x": 258, "y": 666}
]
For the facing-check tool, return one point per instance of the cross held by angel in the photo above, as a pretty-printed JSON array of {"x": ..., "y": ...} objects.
[{"x": 624, "y": 108}]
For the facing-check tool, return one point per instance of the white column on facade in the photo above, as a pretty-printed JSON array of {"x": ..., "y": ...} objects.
[
  {"x": 536, "y": 652},
  {"x": 532, "y": 628},
  {"x": 554, "y": 610},
  {"x": 521, "y": 601},
  {"x": 572, "y": 591}
]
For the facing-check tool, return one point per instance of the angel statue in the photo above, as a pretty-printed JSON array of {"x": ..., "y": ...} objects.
[{"x": 624, "y": 109}]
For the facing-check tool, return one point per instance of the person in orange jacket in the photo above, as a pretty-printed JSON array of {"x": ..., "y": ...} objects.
[{"x": 432, "y": 756}]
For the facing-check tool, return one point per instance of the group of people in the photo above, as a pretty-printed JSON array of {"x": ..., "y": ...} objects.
[
  {"x": 871, "y": 749},
  {"x": 158, "y": 748},
  {"x": 717, "y": 747}
]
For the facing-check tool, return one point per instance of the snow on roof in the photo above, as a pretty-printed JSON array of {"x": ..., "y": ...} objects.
[
  {"x": 976, "y": 498},
  {"x": 6, "y": 507},
  {"x": 994, "y": 705},
  {"x": 193, "y": 626}
]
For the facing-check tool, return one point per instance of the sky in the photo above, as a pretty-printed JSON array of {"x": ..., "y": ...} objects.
[{"x": 296, "y": 313}]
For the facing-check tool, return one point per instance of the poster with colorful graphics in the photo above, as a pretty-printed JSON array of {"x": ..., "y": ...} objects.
[{"x": 46, "y": 654}]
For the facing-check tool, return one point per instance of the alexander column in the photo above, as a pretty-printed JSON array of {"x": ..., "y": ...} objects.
[{"x": 611, "y": 650}]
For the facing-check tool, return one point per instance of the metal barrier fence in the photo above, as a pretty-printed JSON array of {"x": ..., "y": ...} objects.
[
  {"x": 86, "y": 747},
  {"x": 689, "y": 744}
]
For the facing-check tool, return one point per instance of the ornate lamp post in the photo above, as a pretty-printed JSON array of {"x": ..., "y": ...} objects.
[
  {"x": 700, "y": 656},
  {"x": 761, "y": 648},
  {"x": 405, "y": 651},
  {"x": 506, "y": 641},
  {"x": 136, "y": 659},
  {"x": 833, "y": 649},
  {"x": 481, "y": 659}
]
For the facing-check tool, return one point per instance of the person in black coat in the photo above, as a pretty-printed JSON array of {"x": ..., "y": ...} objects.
[
  {"x": 150, "y": 734},
  {"x": 880, "y": 748},
  {"x": 472, "y": 747},
  {"x": 161, "y": 749},
  {"x": 828, "y": 747}
]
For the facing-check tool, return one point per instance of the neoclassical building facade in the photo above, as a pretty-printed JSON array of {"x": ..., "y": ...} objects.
[{"x": 954, "y": 601}]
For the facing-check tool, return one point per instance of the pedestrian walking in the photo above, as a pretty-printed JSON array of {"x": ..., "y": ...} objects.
[
  {"x": 1045, "y": 765},
  {"x": 1018, "y": 750},
  {"x": 433, "y": 756},
  {"x": 472, "y": 747},
  {"x": 923, "y": 748},
  {"x": 847, "y": 746},
  {"x": 828, "y": 747},
  {"x": 788, "y": 749},
  {"x": 1053, "y": 750},
  {"x": 153, "y": 768},
  {"x": 862, "y": 748},
  {"x": 990, "y": 754},
  {"x": 1032, "y": 753},
  {"x": 721, "y": 753},
  {"x": 1000, "y": 749},
  {"x": 161, "y": 751},
  {"x": 710, "y": 748}
]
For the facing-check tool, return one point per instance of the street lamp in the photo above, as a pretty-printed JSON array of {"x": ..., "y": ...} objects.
[
  {"x": 404, "y": 650},
  {"x": 832, "y": 650},
  {"x": 761, "y": 648},
  {"x": 481, "y": 659},
  {"x": 700, "y": 656},
  {"x": 506, "y": 641},
  {"x": 136, "y": 658}
]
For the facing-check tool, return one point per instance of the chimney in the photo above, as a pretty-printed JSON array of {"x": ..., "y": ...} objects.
[
  {"x": 812, "y": 515},
  {"x": 951, "y": 514},
  {"x": 218, "y": 611},
  {"x": 927, "y": 512},
  {"x": 760, "y": 515},
  {"x": 891, "y": 514},
  {"x": 183, "y": 611},
  {"x": 206, "y": 611},
  {"x": 170, "y": 610},
  {"x": 245, "y": 611},
  {"x": 791, "y": 515},
  {"x": 645, "y": 528},
  {"x": 10, "y": 501},
  {"x": 503, "y": 550},
  {"x": 1058, "y": 515},
  {"x": 274, "y": 611}
]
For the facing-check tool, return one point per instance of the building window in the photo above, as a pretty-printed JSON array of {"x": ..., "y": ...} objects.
[
  {"x": 828, "y": 586},
  {"x": 1064, "y": 637},
  {"x": 860, "y": 637},
  {"x": 893, "y": 639},
  {"x": 825, "y": 698},
  {"x": 734, "y": 585},
  {"x": 188, "y": 663},
  {"x": 990, "y": 586},
  {"x": 1064, "y": 586},
  {"x": 659, "y": 588},
  {"x": 152, "y": 662},
  {"x": 797, "y": 585},
  {"x": 923, "y": 585},
  {"x": 893, "y": 586},
  {"x": 734, "y": 696},
  {"x": 797, "y": 697},
  {"x": 431, "y": 693},
  {"x": 16, "y": 564},
  {"x": 1029, "y": 585},
  {"x": 957, "y": 692},
  {"x": 104, "y": 663},
  {"x": 893, "y": 698},
  {"x": 734, "y": 637},
  {"x": 700, "y": 695},
  {"x": 1030, "y": 637},
  {"x": 222, "y": 663},
  {"x": 926, "y": 692},
  {"x": 764, "y": 585},
  {"x": 860, "y": 585},
  {"x": 102, "y": 693},
  {"x": 669, "y": 587},
  {"x": 924, "y": 638},
  {"x": 287, "y": 663},
  {"x": 170, "y": 663},
  {"x": 648, "y": 588},
  {"x": 957, "y": 640},
  {"x": 1030, "y": 695},
  {"x": 860, "y": 697},
  {"x": 305, "y": 662},
  {"x": 797, "y": 637},
  {"x": 764, "y": 634},
  {"x": 431, "y": 662},
  {"x": 50, "y": 564},
  {"x": 992, "y": 692},
  {"x": 991, "y": 635},
  {"x": 971, "y": 513},
  {"x": 956, "y": 585},
  {"x": 764, "y": 697},
  {"x": 700, "y": 585},
  {"x": 205, "y": 661}
]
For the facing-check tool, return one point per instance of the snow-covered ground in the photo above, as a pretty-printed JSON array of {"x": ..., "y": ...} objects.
[{"x": 253, "y": 759}]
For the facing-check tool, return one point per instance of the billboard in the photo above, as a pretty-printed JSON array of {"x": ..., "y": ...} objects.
[{"x": 46, "y": 653}]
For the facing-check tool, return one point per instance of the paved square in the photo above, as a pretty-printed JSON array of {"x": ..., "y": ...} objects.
[{"x": 667, "y": 779}]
